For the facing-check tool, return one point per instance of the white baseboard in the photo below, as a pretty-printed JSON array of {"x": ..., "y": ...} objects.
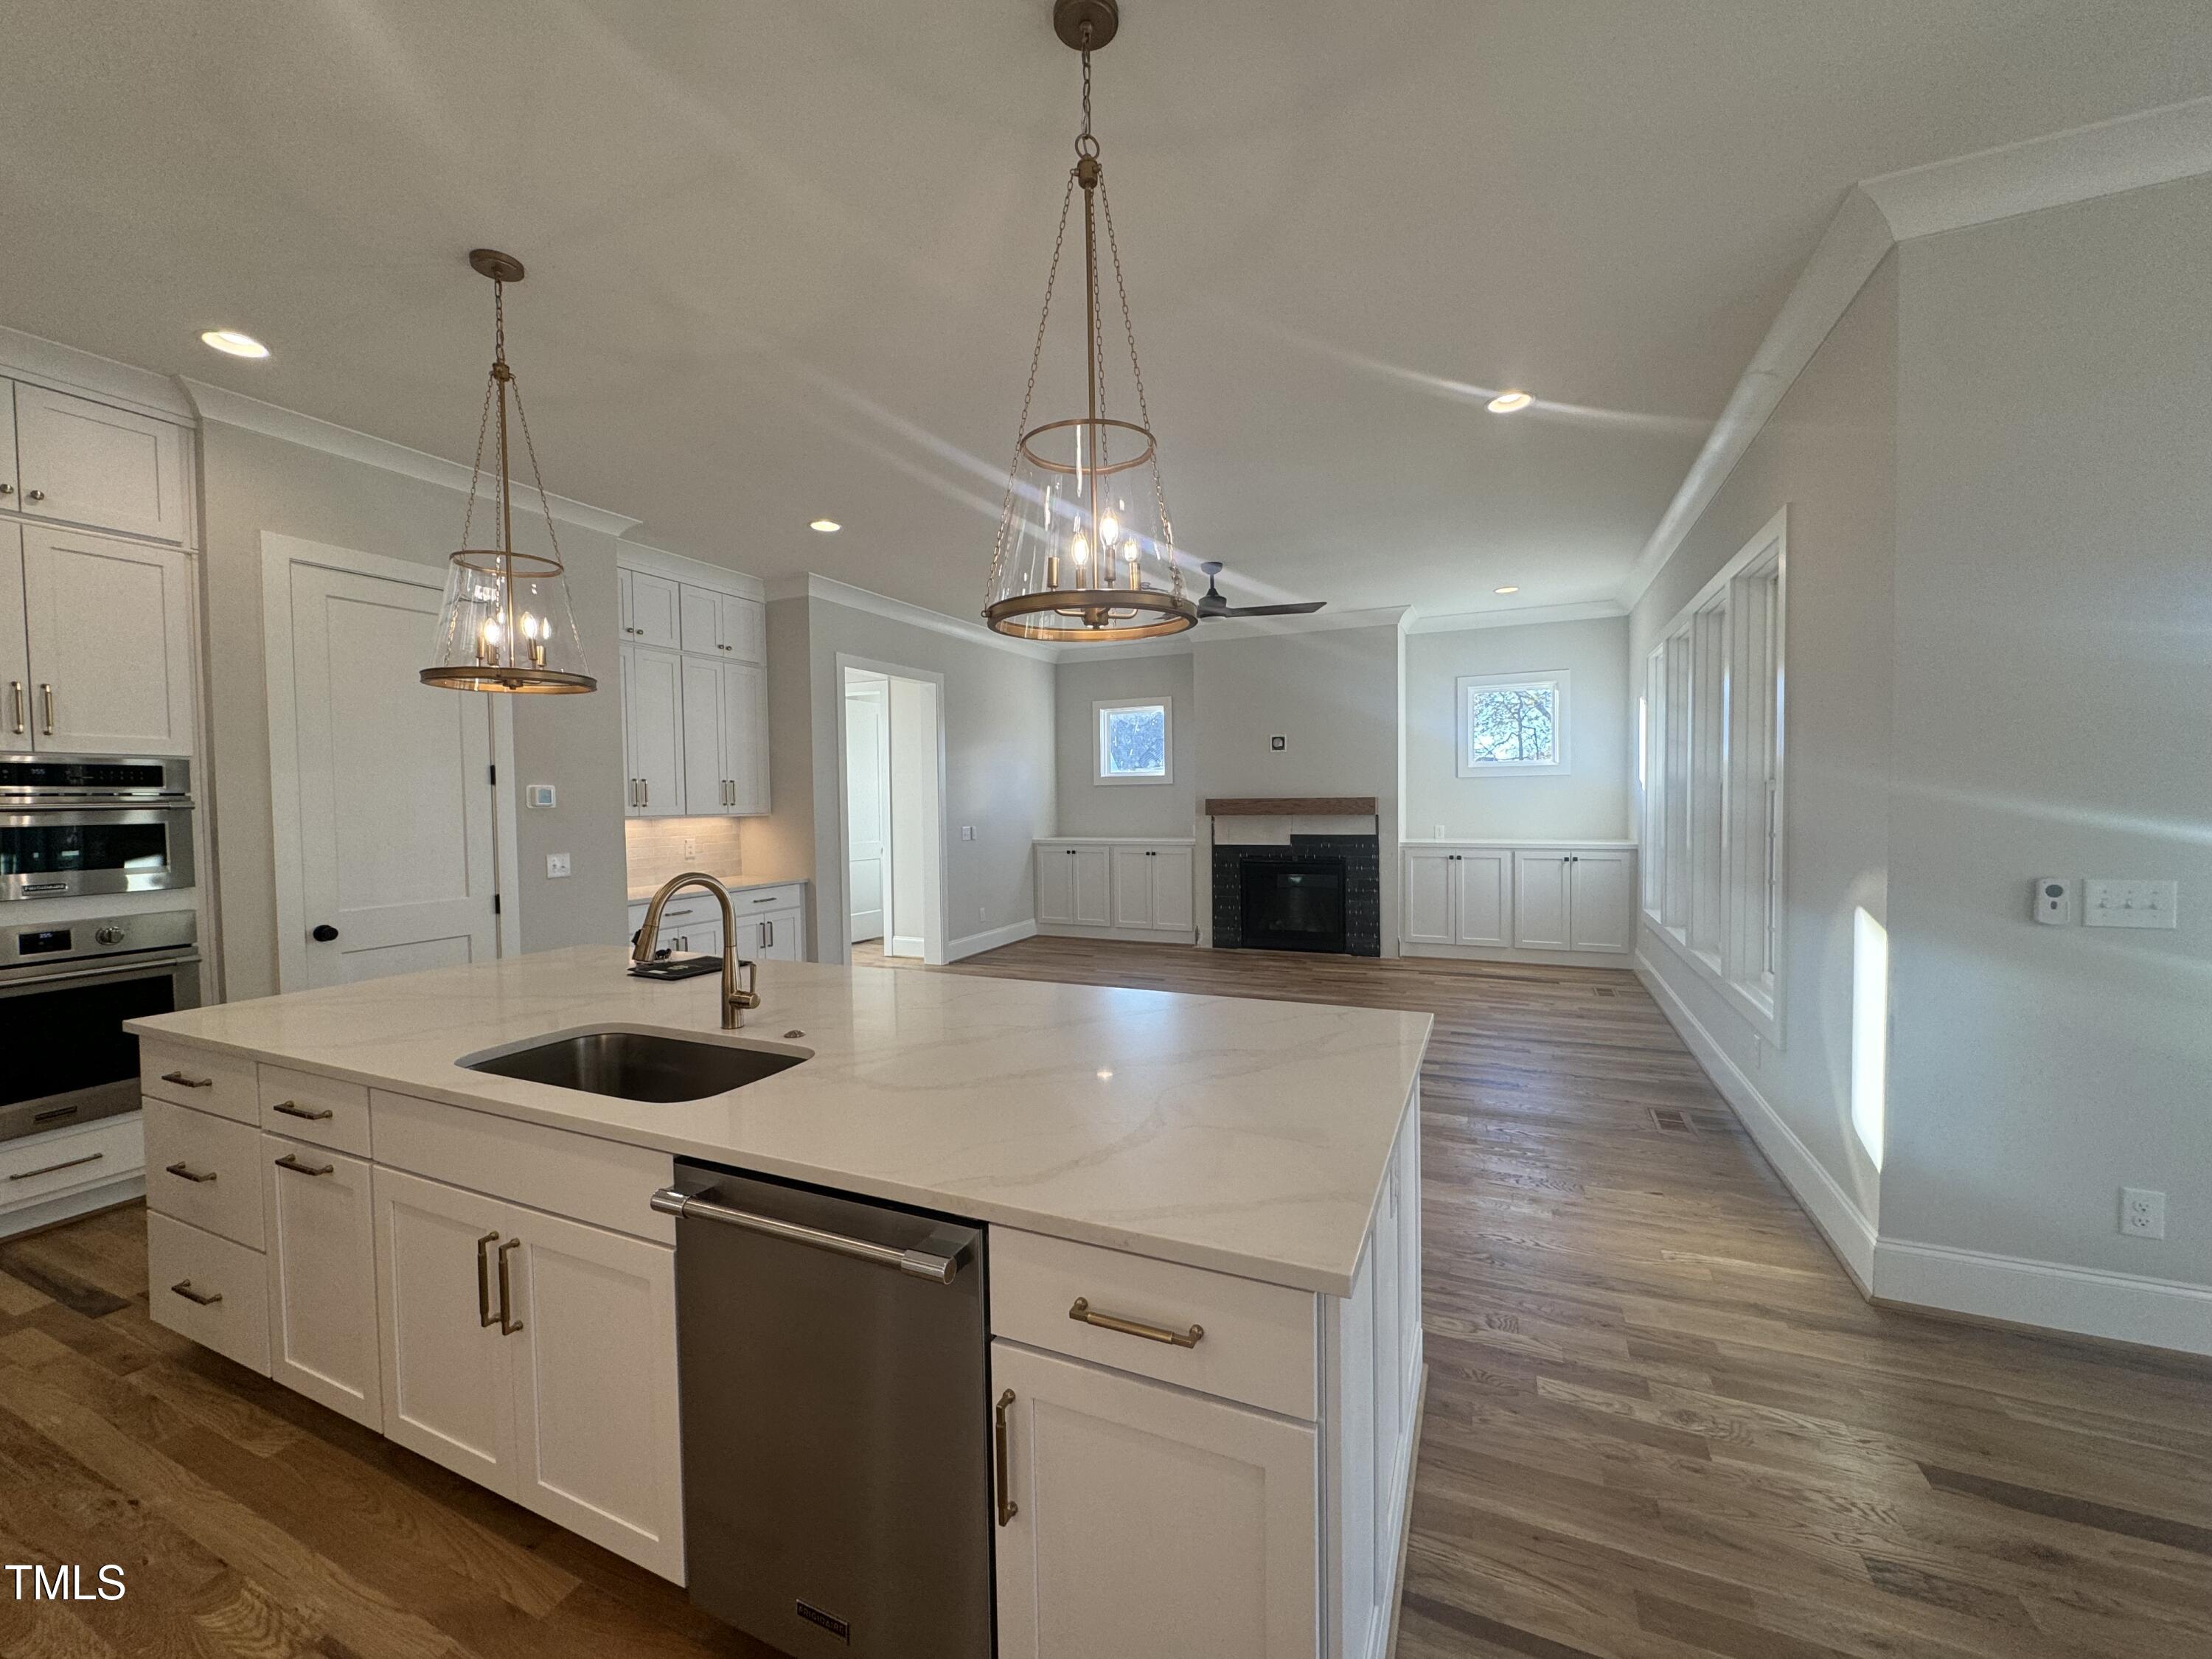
[
  {"x": 901, "y": 945},
  {"x": 1616, "y": 959},
  {"x": 976, "y": 943},
  {"x": 2157, "y": 1313},
  {"x": 1833, "y": 1212}
]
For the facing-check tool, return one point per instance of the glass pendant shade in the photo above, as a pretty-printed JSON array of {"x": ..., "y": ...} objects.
[
  {"x": 1085, "y": 549},
  {"x": 505, "y": 624}
]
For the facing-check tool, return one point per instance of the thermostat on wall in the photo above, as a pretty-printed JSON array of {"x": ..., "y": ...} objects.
[
  {"x": 538, "y": 795},
  {"x": 2054, "y": 900}
]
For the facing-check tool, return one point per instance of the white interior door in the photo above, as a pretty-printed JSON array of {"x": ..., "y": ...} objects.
[
  {"x": 867, "y": 807},
  {"x": 390, "y": 819}
]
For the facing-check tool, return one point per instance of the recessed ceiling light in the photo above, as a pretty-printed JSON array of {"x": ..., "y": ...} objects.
[
  {"x": 1506, "y": 590},
  {"x": 1506, "y": 402},
  {"x": 827, "y": 526},
  {"x": 231, "y": 342}
]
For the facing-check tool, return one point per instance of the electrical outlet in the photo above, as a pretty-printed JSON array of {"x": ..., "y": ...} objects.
[
  {"x": 691, "y": 847},
  {"x": 967, "y": 832},
  {"x": 1440, "y": 832},
  {"x": 557, "y": 865},
  {"x": 2142, "y": 1212}
]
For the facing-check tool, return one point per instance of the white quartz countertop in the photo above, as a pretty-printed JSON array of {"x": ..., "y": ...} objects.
[{"x": 1245, "y": 1136}]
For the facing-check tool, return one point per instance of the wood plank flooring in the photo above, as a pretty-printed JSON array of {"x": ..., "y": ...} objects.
[{"x": 1661, "y": 1423}]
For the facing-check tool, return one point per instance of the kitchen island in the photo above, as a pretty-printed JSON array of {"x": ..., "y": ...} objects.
[{"x": 335, "y": 1194}]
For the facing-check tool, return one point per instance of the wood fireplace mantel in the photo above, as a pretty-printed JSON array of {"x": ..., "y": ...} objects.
[{"x": 1280, "y": 806}]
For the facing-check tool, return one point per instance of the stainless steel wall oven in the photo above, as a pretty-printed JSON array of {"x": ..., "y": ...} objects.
[{"x": 75, "y": 825}]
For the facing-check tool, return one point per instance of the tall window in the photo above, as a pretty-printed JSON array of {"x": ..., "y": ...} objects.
[
  {"x": 1711, "y": 812},
  {"x": 1512, "y": 723},
  {"x": 1135, "y": 741}
]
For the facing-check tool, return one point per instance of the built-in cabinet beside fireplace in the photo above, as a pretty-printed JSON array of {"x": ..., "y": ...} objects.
[
  {"x": 1107, "y": 887},
  {"x": 1560, "y": 902}
]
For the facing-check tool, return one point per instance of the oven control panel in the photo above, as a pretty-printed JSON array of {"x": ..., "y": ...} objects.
[{"x": 95, "y": 936}]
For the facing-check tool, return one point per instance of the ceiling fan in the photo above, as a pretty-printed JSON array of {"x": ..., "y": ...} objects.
[{"x": 1211, "y": 603}]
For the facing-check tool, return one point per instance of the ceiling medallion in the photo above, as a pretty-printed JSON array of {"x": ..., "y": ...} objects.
[
  {"x": 506, "y": 624},
  {"x": 1085, "y": 550}
]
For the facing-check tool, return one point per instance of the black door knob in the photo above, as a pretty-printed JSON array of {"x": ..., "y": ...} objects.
[{"x": 323, "y": 933}]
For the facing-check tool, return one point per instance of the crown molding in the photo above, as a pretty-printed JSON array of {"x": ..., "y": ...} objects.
[
  {"x": 227, "y": 408},
  {"x": 61, "y": 368},
  {"x": 680, "y": 568},
  {"x": 1526, "y": 615},
  {"x": 828, "y": 589},
  {"x": 2151, "y": 147}
]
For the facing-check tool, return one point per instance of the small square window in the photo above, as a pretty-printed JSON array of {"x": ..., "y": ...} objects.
[
  {"x": 1133, "y": 741},
  {"x": 1512, "y": 723}
]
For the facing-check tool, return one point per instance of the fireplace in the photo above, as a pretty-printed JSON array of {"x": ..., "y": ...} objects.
[{"x": 1292, "y": 904}]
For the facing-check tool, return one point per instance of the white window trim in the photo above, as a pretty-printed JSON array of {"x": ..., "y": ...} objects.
[
  {"x": 1098, "y": 713},
  {"x": 1742, "y": 982},
  {"x": 1559, "y": 766}
]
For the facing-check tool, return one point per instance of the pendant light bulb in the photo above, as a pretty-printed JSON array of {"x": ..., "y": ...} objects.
[
  {"x": 1110, "y": 532},
  {"x": 1078, "y": 550}
]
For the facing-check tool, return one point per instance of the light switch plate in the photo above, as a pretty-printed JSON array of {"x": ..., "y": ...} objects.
[
  {"x": 2113, "y": 903},
  {"x": 557, "y": 865}
]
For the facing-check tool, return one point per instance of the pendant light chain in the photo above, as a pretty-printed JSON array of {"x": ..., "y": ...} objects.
[
  {"x": 544, "y": 502},
  {"x": 1137, "y": 374}
]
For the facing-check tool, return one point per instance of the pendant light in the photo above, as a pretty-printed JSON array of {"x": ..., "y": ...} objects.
[
  {"x": 506, "y": 624},
  {"x": 1085, "y": 550}
]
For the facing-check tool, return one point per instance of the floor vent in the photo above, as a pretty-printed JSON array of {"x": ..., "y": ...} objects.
[{"x": 1674, "y": 1123}]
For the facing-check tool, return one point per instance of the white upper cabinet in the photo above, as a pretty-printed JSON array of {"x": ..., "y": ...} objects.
[
  {"x": 80, "y": 462},
  {"x": 706, "y": 752},
  {"x": 744, "y": 735},
  {"x": 652, "y": 731},
  {"x": 649, "y": 610},
  {"x": 106, "y": 656},
  {"x": 14, "y": 648},
  {"x": 726, "y": 625}
]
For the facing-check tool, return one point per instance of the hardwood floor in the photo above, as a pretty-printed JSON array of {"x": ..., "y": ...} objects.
[{"x": 1661, "y": 1423}]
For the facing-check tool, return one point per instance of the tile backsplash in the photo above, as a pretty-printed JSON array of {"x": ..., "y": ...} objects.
[{"x": 656, "y": 848}]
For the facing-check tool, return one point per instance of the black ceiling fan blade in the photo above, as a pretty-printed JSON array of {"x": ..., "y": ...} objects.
[{"x": 1306, "y": 610}]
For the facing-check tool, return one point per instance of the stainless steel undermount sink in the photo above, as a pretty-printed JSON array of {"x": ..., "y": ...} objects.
[{"x": 647, "y": 1066}]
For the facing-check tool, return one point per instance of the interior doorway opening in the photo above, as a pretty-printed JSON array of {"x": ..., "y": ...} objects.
[{"x": 891, "y": 737}]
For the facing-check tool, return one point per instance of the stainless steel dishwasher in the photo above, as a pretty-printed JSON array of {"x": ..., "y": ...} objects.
[{"x": 834, "y": 1360}]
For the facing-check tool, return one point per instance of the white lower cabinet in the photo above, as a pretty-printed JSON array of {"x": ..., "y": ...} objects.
[
  {"x": 1572, "y": 901},
  {"x": 1111, "y": 889},
  {"x": 536, "y": 1356},
  {"x": 1147, "y": 1520},
  {"x": 320, "y": 1233},
  {"x": 1454, "y": 896},
  {"x": 1494, "y": 902}
]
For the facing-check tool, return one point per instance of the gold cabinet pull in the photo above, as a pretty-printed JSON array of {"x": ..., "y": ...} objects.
[
  {"x": 16, "y": 696},
  {"x": 290, "y": 1161},
  {"x": 205, "y": 1298},
  {"x": 67, "y": 1163},
  {"x": 507, "y": 1324},
  {"x": 46, "y": 691},
  {"x": 1007, "y": 1508},
  {"x": 182, "y": 1081},
  {"x": 188, "y": 1173},
  {"x": 1084, "y": 1314},
  {"x": 293, "y": 1109},
  {"x": 484, "y": 1282}
]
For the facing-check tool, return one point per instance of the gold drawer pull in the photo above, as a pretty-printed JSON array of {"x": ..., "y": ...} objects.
[
  {"x": 293, "y": 1109},
  {"x": 1007, "y": 1508},
  {"x": 291, "y": 1163},
  {"x": 189, "y": 1173},
  {"x": 206, "y": 1298},
  {"x": 1083, "y": 1313},
  {"x": 188, "y": 1082}
]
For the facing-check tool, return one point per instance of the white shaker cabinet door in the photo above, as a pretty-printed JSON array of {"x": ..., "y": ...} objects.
[
  {"x": 15, "y": 653},
  {"x": 655, "y": 617},
  {"x": 594, "y": 1385},
  {"x": 1427, "y": 882},
  {"x": 448, "y": 1366},
  {"x": 108, "y": 625},
  {"x": 744, "y": 736},
  {"x": 85, "y": 463},
  {"x": 705, "y": 776},
  {"x": 653, "y": 713},
  {"x": 1133, "y": 886},
  {"x": 318, "y": 1222},
  {"x": 1540, "y": 900},
  {"x": 1093, "y": 887},
  {"x": 1484, "y": 905},
  {"x": 1055, "y": 885},
  {"x": 1601, "y": 912},
  {"x": 1143, "y": 1519},
  {"x": 1173, "y": 895}
]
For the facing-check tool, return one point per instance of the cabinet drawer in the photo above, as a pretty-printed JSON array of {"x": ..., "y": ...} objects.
[
  {"x": 67, "y": 1160},
  {"x": 1257, "y": 1343},
  {"x": 317, "y": 1108},
  {"x": 564, "y": 1174},
  {"x": 202, "y": 1078},
  {"x": 786, "y": 895},
  {"x": 208, "y": 1289},
  {"x": 200, "y": 1168}
]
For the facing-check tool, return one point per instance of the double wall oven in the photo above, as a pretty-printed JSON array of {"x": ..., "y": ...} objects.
[{"x": 72, "y": 826}]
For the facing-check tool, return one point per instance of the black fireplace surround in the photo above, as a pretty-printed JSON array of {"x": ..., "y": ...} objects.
[{"x": 1320, "y": 893}]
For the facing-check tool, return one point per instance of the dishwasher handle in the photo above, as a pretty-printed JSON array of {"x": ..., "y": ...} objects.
[{"x": 940, "y": 1263}]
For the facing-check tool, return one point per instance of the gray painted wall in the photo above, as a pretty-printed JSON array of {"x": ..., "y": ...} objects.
[
  {"x": 251, "y": 483},
  {"x": 1088, "y": 807},
  {"x": 2054, "y": 716},
  {"x": 1589, "y": 802},
  {"x": 1829, "y": 453}
]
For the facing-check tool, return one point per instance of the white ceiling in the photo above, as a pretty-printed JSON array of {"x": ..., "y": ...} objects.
[{"x": 786, "y": 259}]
